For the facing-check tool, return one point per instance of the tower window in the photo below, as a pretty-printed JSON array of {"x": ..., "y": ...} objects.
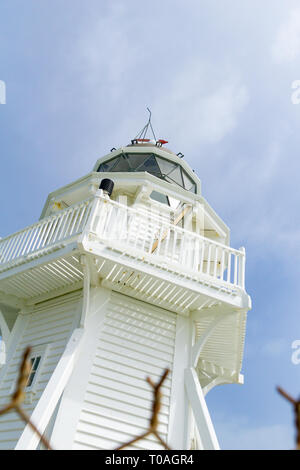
[
  {"x": 37, "y": 358},
  {"x": 35, "y": 361},
  {"x": 159, "y": 197},
  {"x": 162, "y": 198}
]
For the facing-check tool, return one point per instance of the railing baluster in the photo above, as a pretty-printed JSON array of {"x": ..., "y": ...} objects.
[
  {"x": 97, "y": 213},
  {"x": 242, "y": 257},
  {"x": 138, "y": 236},
  {"x": 55, "y": 228},
  {"x": 229, "y": 267},
  {"x": 11, "y": 250},
  {"x": 82, "y": 210},
  {"x": 72, "y": 221},
  {"x": 28, "y": 239},
  {"x": 46, "y": 233},
  {"x": 183, "y": 247},
  {"x": 5, "y": 254},
  {"x": 18, "y": 245},
  {"x": 41, "y": 235},
  {"x": 208, "y": 259},
  {"x": 3, "y": 246},
  {"x": 67, "y": 226},
  {"x": 174, "y": 245},
  {"x": 37, "y": 236},
  {"x": 32, "y": 239},
  {"x": 216, "y": 261},
  {"x": 160, "y": 234},
  {"x": 87, "y": 213},
  {"x": 59, "y": 233},
  {"x": 222, "y": 264},
  {"x": 108, "y": 232},
  {"x": 235, "y": 268},
  {"x": 202, "y": 256}
]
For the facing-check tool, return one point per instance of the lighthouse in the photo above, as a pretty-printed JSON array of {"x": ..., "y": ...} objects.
[{"x": 128, "y": 272}]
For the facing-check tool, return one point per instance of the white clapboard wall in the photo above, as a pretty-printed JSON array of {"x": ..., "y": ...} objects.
[
  {"x": 50, "y": 324},
  {"x": 134, "y": 341}
]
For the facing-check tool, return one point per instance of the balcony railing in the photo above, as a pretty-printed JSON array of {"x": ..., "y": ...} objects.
[
  {"x": 136, "y": 232},
  {"x": 45, "y": 233},
  {"x": 150, "y": 237}
]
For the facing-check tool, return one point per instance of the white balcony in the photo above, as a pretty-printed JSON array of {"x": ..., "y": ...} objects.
[{"x": 132, "y": 249}]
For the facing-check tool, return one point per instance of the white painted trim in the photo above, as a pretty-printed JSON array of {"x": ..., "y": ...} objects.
[
  {"x": 200, "y": 410},
  {"x": 70, "y": 406},
  {"x": 199, "y": 345},
  {"x": 4, "y": 328},
  {"x": 99, "y": 249},
  {"x": 179, "y": 407},
  {"x": 43, "y": 259},
  {"x": 52, "y": 393},
  {"x": 12, "y": 300},
  {"x": 13, "y": 341},
  {"x": 52, "y": 294},
  {"x": 86, "y": 289},
  {"x": 221, "y": 381}
]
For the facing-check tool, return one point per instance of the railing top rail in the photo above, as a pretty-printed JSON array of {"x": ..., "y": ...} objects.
[
  {"x": 161, "y": 219},
  {"x": 46, "y": 219}
]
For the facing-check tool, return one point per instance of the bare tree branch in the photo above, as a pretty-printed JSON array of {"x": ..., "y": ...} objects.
[
  {"x": 19, "y": 395},
  {"x": 154, "y": 421},
  {"x": 296, "y": 406}
]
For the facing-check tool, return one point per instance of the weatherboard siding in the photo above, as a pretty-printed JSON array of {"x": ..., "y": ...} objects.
[
  {"x": 135, "y": 340},
  {"x": 51, "y": 323}
]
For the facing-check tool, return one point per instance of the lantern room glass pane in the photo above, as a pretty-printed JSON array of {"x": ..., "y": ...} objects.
[
  {"x": 121, "y": 165},
  {"x": 188, "y": 182},
  {"x": 165, "y": 166},
  {"x": 151, "y": 166},
  {"x": 108, "y": 166},
  {"x": 176, "y": 177},
  {"x": 157, "y": 166},
  {"x": 136, "y": 160}
]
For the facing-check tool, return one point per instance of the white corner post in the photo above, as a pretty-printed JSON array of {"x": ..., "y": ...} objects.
[
  {"x": 71, "y": 403},
  {"x": 51, "y": 395},
  {"x": 194, "y": 390},
  {"x": 180, "y": 415},
  {"x": 200, "y": 411},
  {"x": 86, "y": 288},
  {"x": 4, "y": 333}
]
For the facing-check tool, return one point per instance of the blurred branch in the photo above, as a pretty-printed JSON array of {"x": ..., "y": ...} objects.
[
  {"x": 296, "y": 406},
  {"x": 19, "y": 395},
  {"x": 18, "y": 398},
  {"x": 154, "y": 421}
]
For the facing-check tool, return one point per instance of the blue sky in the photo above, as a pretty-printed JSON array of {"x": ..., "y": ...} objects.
[{"x": 217, "y": 75}]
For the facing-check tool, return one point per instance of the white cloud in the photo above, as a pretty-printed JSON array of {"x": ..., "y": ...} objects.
[
  {"x": 107, "y": 52},
  {"x": 199, "y": 106},
  {"x": 287, "y": 43}
]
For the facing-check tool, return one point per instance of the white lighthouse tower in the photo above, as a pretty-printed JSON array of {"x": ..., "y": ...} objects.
[{"x": 113, "y": 285}]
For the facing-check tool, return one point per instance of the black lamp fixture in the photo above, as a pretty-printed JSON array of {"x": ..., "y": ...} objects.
[{"x": 107, "y": 186}]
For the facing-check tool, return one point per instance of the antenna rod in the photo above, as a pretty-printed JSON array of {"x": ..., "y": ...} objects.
[{"x": 142, "y": 134}]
